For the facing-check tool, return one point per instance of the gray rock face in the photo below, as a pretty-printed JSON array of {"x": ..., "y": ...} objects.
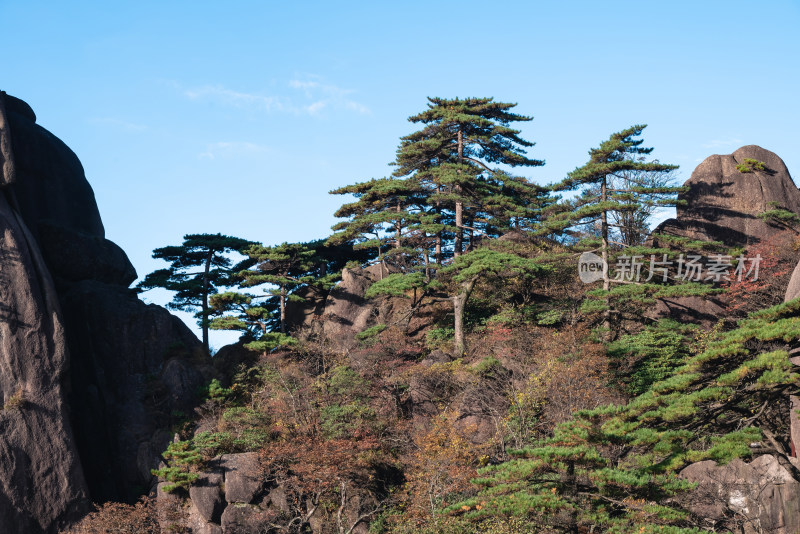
[
  {"x": 7, "y": 168},
  {"x": 41, "y": 482},
  {"x": 761, "y": 495},
  {"x": 90, "y": 376},
  {"x": 50, "y": 182},
  {"x": 73, "y": 256},
  {"x": 229, "y": 497},
  {"x": 703, "y": 310},
  {"x": 243, "y": 480},
  {"x": 244, "y": 519},
  {"x": 348, "y": 312},
  {"x": 793, "y": 288},
  {"x": 133, "y": 367},
  {"x": 723, "y": 203},
  {"x": 206, "y": 495}
]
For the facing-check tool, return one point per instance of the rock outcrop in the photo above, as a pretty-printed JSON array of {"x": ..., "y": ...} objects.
[
  {"x": 793, "y": 288},
  {"x": 347, "y": 311},
  {"x": 235, "y": 496},
  {"x": 90, "y": 376},
  {"x": 759, "y": 496},
  {"x": 723, "y": 203}
]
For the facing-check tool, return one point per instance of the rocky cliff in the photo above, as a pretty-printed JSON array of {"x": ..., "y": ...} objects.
[
  {"x": 90, "y": 376},
  {"x": 725, "y": 196}
]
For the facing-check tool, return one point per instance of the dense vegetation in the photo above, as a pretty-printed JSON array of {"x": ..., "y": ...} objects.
[{"x": 505, "y": 396}]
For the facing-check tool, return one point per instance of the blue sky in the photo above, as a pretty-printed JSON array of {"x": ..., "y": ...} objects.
[{"x": 238, "y": 118}]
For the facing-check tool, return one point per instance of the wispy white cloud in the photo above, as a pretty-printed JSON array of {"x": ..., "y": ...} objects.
[
  {"x": 118, "y": 124},
  {"x": 723, "y": 143},
  {"x": 305, "y": 97},
  {"x": 304, "y": 85},
  {"x": 326, "y": 96},
  {"x": 236, "y": 98},
  {"x": 232, "y": 148}
]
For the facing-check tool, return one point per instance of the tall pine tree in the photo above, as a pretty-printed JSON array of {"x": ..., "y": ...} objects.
[
  {"x": 286, "y": 266},
  {"x": 451, "y": 158},
  {"x": 381, "y": 217},
  {"x": 198, "y": 267},
  {"x": 608, "y": 193}
]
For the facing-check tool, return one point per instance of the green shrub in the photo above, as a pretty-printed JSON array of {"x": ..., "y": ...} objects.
[
  {"x": 371, "y": 333},
  {"x": 339, "y": 421},
  {"x": 655, "y": 353},
  {"x": 182, "y": 458},
  {"x": 271, "y": 341},
  {"x": 249, "y": 428},
  {"x": 16, "y": 401},
  {"x": 438, "y": 337},
  {"x": 750, "y": 165},
  {"x": 345, "y": 382},
  {"x": 550, "y": 317},
  {"x": 215, "y": 391},
  {"x": 488, "y": 366},
  {"x": 505, "y": 317}
]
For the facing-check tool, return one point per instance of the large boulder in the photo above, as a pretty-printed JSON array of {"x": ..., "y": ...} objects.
[
  {"x": 793, "y": 288},
  {"x": 723, "y": 203},
  {"x": 308, "y": 311},
  {"x": 91, "y": 378},
  {"x": 725, "y": 196},
  {"x": 348, "y": 312},
  {"x": 50, "y": 182},
  {"x": 243, "y": 478},
  {"x": 759, "y": 496}
]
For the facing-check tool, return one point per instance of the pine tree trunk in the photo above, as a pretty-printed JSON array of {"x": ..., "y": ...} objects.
[
  {"x": 398, "y": 228},
  {"x": 438, "y": 248},
  {"x": 604, "y": 252},
  {"x": 283, "y": 309},
  {"x": 427, "y": 260},
  {"x": 378, "y": 239},
  {"x": 459, "y": 239},
  {"x": 459, "y": 305},
  {"x": 204, "y": 311},
  {"x": 571, "y": 490}
]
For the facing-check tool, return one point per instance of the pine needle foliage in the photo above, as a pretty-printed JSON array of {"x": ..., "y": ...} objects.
[
  {"x": 615, "y": 468},
  {"x": 198, "y": 268}
]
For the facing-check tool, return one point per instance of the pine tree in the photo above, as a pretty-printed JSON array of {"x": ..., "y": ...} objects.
[
  {"x": 208, "y": 253},
  {"x": 481, "y": 264},
  {"x": 239, "y": 311},
  {"x": 315, "y": 266},
  {"x": 450, "y": 158},
  {"x": 459, "y": 280},
  {"x": 382, "y": 215},
  {"x": 287, "y": 266},
  {"x": 615, "y": 468},
  {"x": 616, "y": 184}
]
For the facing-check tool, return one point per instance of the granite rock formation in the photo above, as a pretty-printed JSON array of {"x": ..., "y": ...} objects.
[
  {"x": 759, "y": 496},
  {"x": 723, "y": 203},
  {"x": 90, "y": 376}
]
